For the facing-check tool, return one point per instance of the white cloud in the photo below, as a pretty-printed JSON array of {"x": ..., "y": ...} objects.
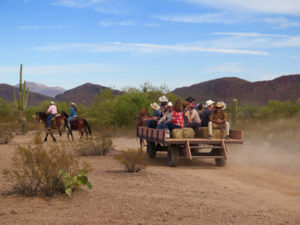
[
  {"x": 226, "y": 68},
  {"x": 60, "y": 69},
  {"x": 120, "y": 23},
  {"x": 143, "y": 48},
  {"x": 253, "y": 40},
  {"x": 281, "y": 23},
  {"x": 202, "y": 18},
  {"x": 289, "y": 7}
]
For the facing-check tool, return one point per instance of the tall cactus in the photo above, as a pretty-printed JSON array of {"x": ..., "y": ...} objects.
[
  {"x": 21, "y": 103},
  {"x": 234, "y": 111}
]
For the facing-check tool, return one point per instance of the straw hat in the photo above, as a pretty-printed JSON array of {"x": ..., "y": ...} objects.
[
  {"x": 72, "y": 103},
  {"x": 155, "y": 106},
  {"x": 163, "y": 98},
  {"x": 221, "y": 105},
  {"x": 170, "y": 104},
  {"x": 52, "y": 103},
  {"x": 208, "y": 103}
]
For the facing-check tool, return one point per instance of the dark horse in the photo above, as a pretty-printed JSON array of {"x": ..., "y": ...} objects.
[
  {"x": 142, "y": 121},
  {"x": 78, "y": 124},
  {"x": 58, "y": 122}
]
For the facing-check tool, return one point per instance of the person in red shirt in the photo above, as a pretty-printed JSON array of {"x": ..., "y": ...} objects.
[{"x": 177, "y": 121}]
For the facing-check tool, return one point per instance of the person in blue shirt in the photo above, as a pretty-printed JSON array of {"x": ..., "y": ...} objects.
[
  {"x": 73, "y": 112},
  {"x": 209, "y": 105}
]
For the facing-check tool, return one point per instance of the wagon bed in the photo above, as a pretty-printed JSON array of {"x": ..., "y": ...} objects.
[{"x": 188, "y": 147}]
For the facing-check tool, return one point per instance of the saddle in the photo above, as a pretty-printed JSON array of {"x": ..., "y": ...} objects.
[
  {"x": 56, "y": 115},
  {"x": 74, "y": 119}
]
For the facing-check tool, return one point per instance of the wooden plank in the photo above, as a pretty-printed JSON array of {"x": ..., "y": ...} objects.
[
  {"x": 237, "y": 135},
  {"x": 188, "y": 151},
  {"x": 145, "y": 132},
  {"x": 201, "y": 141},
  {"x": 161, "y": 135},
  {"x": 209, "y": 157}
]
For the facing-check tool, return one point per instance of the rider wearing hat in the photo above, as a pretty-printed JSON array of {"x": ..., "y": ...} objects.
[
  {"x": 51, "y": 112},
  {"x": 73, "y": 112},
  {"x": 209, "y": 105},
  {"x": 218, "y": 120}
]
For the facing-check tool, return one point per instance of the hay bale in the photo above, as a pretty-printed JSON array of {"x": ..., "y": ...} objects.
[
  {"x": 218, "y": 133},
  {"x": 188, "y": 132},
  {"x": 202, "y": 132},
  {"x": 177, "y": 133}
]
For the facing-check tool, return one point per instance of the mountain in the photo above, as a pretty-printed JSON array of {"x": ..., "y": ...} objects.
[
  {"x": 6, "y": 92},
  {"x": 260, "y": 92},
  {"x": 83, "y": 94},
  {"x": 44, "y": 89}
]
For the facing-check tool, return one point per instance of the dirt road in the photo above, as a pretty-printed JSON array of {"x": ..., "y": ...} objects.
[{"x": 255, "y": 187}]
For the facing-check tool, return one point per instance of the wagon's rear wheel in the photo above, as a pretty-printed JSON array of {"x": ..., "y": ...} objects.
[
  {"x": 173, "y": 156},
  {"x": 218, "y": 152},
  {"x": 151, "y": 149}
]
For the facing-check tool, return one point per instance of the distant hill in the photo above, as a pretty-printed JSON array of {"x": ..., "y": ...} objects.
[
  {"x": 282, "y": 88},
  {"x": 6, "y": 92},
  {"x": 83, "y": 94},
  {"x": 44, "y": 89}
]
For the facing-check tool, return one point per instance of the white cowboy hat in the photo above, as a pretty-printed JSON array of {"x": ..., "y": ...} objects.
[
  {"x": 72, "y": 103},
  {"x": 163, "y": 98},
  {"x": 155, "y": 106},
  {"x": 52, "y": 103},
  {"x": 221, "y": 105},
  {"x": 208, "y": 103},
  {"x": 170, "y": 104}
]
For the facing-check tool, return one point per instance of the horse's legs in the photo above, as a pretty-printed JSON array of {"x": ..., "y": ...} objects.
[
  {"x": 46, "y": 136},
  {"x": 60, "y": 132},
  {"x": 53, "y": 137}
]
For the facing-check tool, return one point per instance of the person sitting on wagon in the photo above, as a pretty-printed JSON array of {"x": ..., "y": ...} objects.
[
  {"x": 218, "y": 120},
  {"x": 177, "y": 117},
  {"x": 51, "y": 112},
  {"x": 163, "y": 104},
  {"x": 190, "y": 100},
  {"x": 167, "y": 117},
  {"x": 209, "y": 105},
  {"x": 191, "y": 117},
  {"x": 72, "y": 113},
  {"x": 152, "y": 122}
]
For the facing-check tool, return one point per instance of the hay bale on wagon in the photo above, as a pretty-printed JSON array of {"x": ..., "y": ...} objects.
[
  {"x": 183, "y": 133},
  {"x": 203, "y": 133}
]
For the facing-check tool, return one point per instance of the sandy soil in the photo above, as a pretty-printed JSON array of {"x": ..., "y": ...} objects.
[{"x": 259, "y": 185}]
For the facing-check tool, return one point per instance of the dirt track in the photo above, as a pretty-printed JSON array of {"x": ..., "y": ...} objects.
[{"x": 255, "y": 187}]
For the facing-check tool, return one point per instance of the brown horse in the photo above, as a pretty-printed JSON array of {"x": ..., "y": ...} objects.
[
  {"x": 58, "y": 122},
  {"x": 78, "y": 124},
  {"x": 142, "y": 121}
]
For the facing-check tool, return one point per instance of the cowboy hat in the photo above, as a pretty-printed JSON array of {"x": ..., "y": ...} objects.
[
  {"x": 170, "y": 104},
  {"x": 72, "y": 103},
  {"x": 52, "y": 103},
  {"x": 208, "y": 103},
  {"x": 163, "y": 98},
  {"x": 190, "y": 99},
  {"x": 155, "y": 106},
  {"x": 220, "y": 105}
]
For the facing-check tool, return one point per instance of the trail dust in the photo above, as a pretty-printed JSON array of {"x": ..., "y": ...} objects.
[{"x": 259, "y": 185}]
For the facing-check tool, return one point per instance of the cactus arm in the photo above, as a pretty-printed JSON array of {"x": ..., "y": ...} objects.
[
  {"x": 15, "y": 99},
  {"x": 26, "y": 98}
]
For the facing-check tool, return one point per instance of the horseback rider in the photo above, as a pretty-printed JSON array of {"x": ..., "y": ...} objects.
[
  {"x": 73, "y": 112},
  {"x": 51, "y": 112}
]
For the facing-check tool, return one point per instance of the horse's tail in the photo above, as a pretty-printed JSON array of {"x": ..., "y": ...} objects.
[{"x": 88, "y": 126}]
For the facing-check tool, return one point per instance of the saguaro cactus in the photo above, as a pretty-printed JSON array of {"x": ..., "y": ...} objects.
[
  {"x": 21, "y": 103},
  {"x": 234, "y": 111}
]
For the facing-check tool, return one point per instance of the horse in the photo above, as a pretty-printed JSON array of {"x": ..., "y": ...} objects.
[
  {"x": 78, "y": 124},
  {"x": 58, "y": 122},
  {"x": 142, "y": 121}
]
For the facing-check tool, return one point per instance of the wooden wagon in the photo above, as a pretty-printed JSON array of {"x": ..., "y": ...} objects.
[{"x": 190, "y": 148}]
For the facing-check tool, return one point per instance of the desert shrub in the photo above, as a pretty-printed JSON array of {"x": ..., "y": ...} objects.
[
  {"x": 133, "y": 159},
  {"x": 37, "y": 170},
  {"x": 5, "y": 137},
  {"x": 95, "y": 145}
]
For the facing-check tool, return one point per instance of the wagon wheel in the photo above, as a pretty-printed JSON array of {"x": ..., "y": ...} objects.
[
  {"x": 173, "y": 157},
  {"x": 218, "y": 152},
  {"x": 151, "y": 149}
]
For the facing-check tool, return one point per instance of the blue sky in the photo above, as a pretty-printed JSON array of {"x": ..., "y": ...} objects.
[{"x": 120, "y": 43}]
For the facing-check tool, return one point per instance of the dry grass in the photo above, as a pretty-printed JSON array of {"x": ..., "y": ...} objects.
[
  {"x": 134, "y": 160},
  {"x": 95, "y": 145}
]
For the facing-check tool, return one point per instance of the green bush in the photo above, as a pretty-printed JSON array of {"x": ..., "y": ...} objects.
[
  {"x": 39, "y": 170},
  {"x": 134, "y": 160}
]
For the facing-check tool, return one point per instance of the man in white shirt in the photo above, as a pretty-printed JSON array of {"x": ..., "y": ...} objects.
[{"x": 51, "y": 112}]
